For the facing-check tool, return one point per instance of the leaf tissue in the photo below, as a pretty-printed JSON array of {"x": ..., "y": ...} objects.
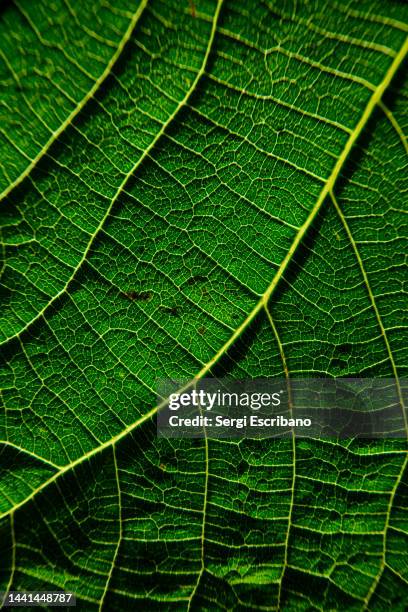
[{"x": 195, "y": 189}]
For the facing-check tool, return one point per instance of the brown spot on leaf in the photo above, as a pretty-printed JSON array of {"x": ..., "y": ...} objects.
[
  {"x": 192, "y": 7},
  {"x": 138, "y": 296},
  {"x": 171, "y": 310}
]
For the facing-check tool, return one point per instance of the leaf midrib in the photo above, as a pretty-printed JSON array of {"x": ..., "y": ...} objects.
[{"x": 263, "y": 301}]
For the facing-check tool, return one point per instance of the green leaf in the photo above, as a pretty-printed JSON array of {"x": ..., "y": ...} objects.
[{"x": 195, "y": 189}]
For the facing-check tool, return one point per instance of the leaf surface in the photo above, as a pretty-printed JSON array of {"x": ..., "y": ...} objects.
[{"x": 190, "y": 190}]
